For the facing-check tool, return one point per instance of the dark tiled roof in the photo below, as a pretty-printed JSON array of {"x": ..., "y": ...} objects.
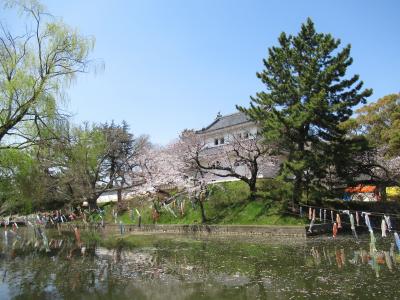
[{"x": 226, "y": 121}]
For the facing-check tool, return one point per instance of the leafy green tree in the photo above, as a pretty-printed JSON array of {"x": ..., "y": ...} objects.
[
  {"x": 97, "y": 158},
  {"x": 19, "y": 178},
  {"x": 85, "y": 173},
  {"x": 307, "y": 97},
  {"x": 30, "y": 178},
  {"x": 380, "y": 122},
  {"x": 35, "y": 67},
  {"x": 77, "y": 164}
]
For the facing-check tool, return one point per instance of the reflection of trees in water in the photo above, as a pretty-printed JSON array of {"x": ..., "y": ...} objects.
[
  {"x": 187, "y": 269},
  {"x": 324, "y": 267}
]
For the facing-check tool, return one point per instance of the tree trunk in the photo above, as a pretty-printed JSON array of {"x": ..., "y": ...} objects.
[
  {"x": 382, "y": 187},
  {"x": 253, "y": 189},
  {"x": 297, "y": 190},
  {"x": 92, "y": 204},
  {"x": 119, "y": 195},
  {"x": 203, "y": 213}
]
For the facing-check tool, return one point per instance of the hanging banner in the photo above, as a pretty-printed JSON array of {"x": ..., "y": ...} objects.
[{"x": 334, "y": 230}]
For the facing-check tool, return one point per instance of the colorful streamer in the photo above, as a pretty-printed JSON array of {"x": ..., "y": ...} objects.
[
  {"x": 367, "y": 221},
  {"x": 334, "y": 230},
  {"x": 339, "y": 222},
  {"x": 397, "y": 240},
  {"x": 352, "y": 226},
  {"x": 389, "y": 224},
  {"x": 383, "y": 227}
]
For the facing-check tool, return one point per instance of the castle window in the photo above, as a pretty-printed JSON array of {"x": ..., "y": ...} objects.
[
  {"x": 215, "y": 142},
  {"x": 222, "y": 140}
]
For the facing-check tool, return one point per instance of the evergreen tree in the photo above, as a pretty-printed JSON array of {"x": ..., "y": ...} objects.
[{"x": 307, "y": 97}]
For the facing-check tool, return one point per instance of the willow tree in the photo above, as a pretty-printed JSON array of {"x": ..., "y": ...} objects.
[
  {"x": 308, "y": 95},
  {"x": 35, "y": 67}
]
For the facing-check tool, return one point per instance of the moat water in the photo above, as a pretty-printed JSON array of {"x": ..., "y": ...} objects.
[{"x": 183, "y": 267}]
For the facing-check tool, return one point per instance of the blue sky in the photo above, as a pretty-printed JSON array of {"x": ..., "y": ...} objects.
[{"x": 171, "y": 65}]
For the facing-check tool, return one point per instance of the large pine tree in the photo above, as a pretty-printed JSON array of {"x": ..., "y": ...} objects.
[{"x": 307, "y": 96}]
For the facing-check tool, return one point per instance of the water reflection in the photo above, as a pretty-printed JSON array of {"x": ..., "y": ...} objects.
[
  {"x": 360, "y": 253},
  {"x": 160, "y": 267}
]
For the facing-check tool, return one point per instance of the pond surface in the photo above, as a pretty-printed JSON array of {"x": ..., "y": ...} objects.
[{"x": 179, "y": 267}]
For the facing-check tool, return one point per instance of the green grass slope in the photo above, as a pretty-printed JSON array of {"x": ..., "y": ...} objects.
[{"x": 228, "y": 203}]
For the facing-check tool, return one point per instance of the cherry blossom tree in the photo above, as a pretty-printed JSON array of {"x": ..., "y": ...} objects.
[
  {"x": 163, "y": 168},
  {"x": 245, "y": 159},
  {"x": 160, "y": 167}
]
